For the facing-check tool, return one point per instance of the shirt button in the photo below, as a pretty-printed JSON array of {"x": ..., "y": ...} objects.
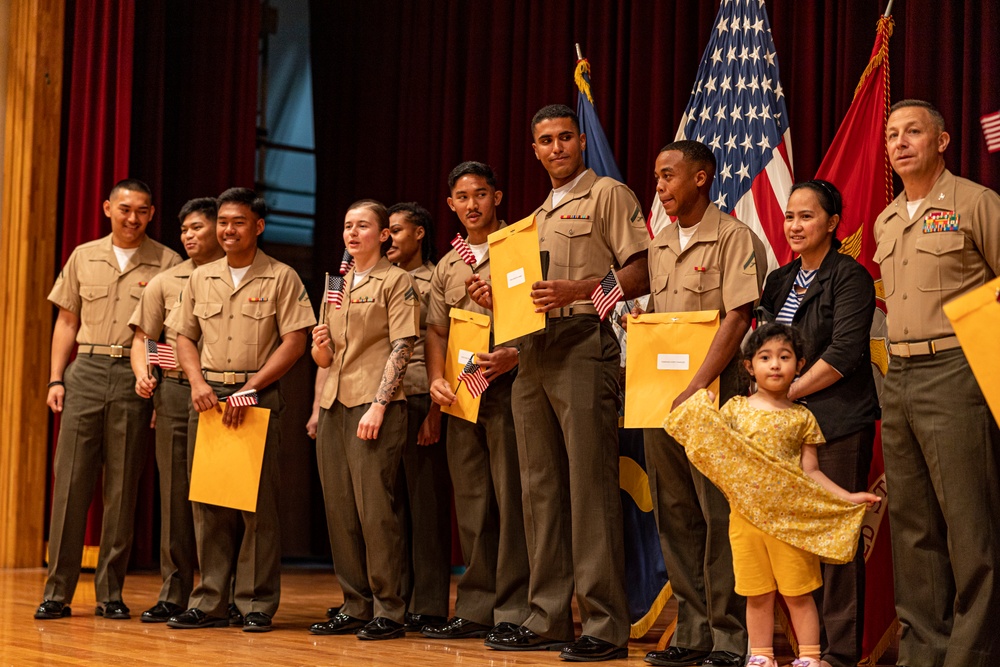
[
  {"x": 230, "y": 317},
  {"x": 904, "y": 296},
  {"x": 116, "y": 299},
  {"x": 230, "y": 338},
  {"x": 906, "y": 330},
  {"x": 905, "y": 262},
  {"x": 675, "y": 291}
]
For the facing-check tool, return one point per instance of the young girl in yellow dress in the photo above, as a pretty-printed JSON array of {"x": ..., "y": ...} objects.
[{"x": 786, "y": 514}]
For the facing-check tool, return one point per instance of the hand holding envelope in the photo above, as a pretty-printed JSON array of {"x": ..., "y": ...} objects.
[
  {"x": 469, "y": 334},
  {"x": 665, "y": 350},
  {"x": 227, "y": 461},
  {"x": 516, "y": 266}
]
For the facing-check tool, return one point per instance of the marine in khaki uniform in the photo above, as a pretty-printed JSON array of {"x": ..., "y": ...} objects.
[
  {"x": 251, "y": 314},
  {"x": 493, "y": 591},
  {"x": 172, "y": 402},
  {"x": 937, "y": 240},
  {"x": 424, "y": 477},
  {"x": 103, "y": 423},
  {"x": 566, "y": 402},
  {"x": 706, "y": 261},
  {"x": 366, "y": 344}
]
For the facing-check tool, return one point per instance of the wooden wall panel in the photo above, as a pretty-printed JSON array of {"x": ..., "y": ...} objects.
[{"x": 27, "y": 258}]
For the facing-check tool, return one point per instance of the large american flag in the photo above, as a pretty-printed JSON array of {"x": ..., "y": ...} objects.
[{"x": 737, "y": 108}]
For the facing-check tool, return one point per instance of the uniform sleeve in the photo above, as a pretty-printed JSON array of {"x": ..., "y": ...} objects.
[
  {"x": 150, "y": 312},
  {"x": 986, "y": 229},
  {"x": 437, "y": 310},
  {"x": 624, "y": 225},
  {"x": 182, "y": 318},
  {"x": 66, "y": 291},
  {"x": 811, "y": 432},
  {"x": 403, "y": 307},
  {"x": 294, "y": 310},
  {"x": 739, "y": 268}
]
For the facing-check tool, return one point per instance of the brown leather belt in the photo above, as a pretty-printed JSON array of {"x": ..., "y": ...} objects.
[
  {"x": 570, "y": 311},
  {"x": 924, "y": 347},
  {"x": 228, "y": 377},
  {"x": 115, "y": 351},
  {"x": 174, "y": 374}
]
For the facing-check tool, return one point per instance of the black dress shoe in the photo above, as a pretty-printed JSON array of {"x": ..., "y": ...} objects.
[
  {"x": 257, "y": 621},
  {"x": 340, "y": 624},
  {"x": 417, "y": 622},
  {"x": 592, "y": 649},
  {"x": 235, "y": 617},
  {"x": 51, "y": 609},
  {"x": 115, "y": 609},
  {"x": 161, "y": 612},
  {"x": 724, "y": 659},
  {"x": 524, "y": 639},
  {"x": 675, "y": 656},
  {"x": 382, "y": 628},
  {"x": 456, "y": 628},
  {"x": 502, "y": 628},
  {"x": 193, "y": 619},
  {"x": 332, "y": 611}
]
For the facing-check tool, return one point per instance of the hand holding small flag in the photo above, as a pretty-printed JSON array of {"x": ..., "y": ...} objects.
[
  {"x": 607, "y": 293},
  {"x": 472, "y": 376}
]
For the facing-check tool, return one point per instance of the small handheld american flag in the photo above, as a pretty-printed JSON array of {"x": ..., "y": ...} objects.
[
  {"x": 472, "y": 376},
  {"x": 160, "y": 354},
  {"x": 243, "y": 398},
  {"x": 335, "y": 290},
  {"x": 991, "y": 130},
  {"x": 346, "y": 263},
  {"x": 607, "y": 293},
  {"x": 461, "y": 246}
]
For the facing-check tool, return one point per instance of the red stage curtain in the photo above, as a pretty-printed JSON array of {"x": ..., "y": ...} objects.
[
  {"x": 168, "y": 97},
  {"x": 404, "y": 91}
]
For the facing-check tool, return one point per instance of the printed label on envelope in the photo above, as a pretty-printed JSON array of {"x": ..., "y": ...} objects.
[
  {"x": 515, "y": 278},
  {"x": 673, "y": 362},
  {"x": 463, "y": 357}
]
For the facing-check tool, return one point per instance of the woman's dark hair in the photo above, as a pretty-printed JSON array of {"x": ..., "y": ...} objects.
[
  {"x": 769, "y": 331},
  {"x": 829, "y": 200},
  {"x": 421, "y": 217}
]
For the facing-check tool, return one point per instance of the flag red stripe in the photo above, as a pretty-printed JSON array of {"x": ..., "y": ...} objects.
[{"x": 771, "y": 216}]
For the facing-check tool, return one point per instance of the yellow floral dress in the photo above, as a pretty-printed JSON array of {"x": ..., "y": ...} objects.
[{"x": 753, "y": 457}]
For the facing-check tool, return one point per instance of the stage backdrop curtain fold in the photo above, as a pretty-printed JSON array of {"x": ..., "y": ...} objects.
[{"x": 404, "y": 91}]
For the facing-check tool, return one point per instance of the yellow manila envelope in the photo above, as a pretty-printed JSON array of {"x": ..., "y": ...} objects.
[
  {"x": 515, "y": 264},
  {"x": 227, "y": 461},
  {"x": 975, "y": 316},
  {"x": 469, "y": 334},
  {"x": 664, "y": 352}
]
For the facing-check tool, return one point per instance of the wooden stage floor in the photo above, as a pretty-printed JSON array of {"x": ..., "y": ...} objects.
[{"x": 85, "y": 639}]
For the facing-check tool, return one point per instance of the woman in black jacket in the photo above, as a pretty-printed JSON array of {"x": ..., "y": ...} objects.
[{"x": 830, "y": 297}]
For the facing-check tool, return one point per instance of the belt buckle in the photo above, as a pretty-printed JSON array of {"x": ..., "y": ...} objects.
[
  {"x": 228, "y": 377},
  {"x": 932, "y": 347},
  {"x": 117, "y": 351},
  {"x": 904, "y": 349}
]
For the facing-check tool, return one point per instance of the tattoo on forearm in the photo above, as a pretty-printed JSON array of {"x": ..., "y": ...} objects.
[{"x": 395, "y": 369}]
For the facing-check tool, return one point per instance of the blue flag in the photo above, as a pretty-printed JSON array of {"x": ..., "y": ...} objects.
[
  {"x": 598, "y": 155},
  {"x": 646, "y": 584}
]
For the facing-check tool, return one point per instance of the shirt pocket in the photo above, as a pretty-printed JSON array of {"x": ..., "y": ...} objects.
[
  {"x": 210, "y": 320},
  {"x": 884, "y": 258},
  {"x": 572, "y": 242},
  {"x": 704, "y": 289},
  {"x": 94, "y": 303},
  {"x": 258, "y": 321},
  {"x": 453, "y": 296},
  {"x": 659, "y": 283},
  {"x": 940, "y": 261}
]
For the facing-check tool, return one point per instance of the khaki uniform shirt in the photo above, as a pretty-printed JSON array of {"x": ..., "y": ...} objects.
[
  {"x": 448, "y": 287},
  {"x": 92, "y": 287},
  {"x": 162, "y": 295},
  {"x": 415, "y": 380},
  {"x": 382, "y": 308},
  {"x": 718, "y": 270},
  {"x": 598, "y": 223},
  {"x": 951, "y": 245},
  {"x": 240, "y": 328}
]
